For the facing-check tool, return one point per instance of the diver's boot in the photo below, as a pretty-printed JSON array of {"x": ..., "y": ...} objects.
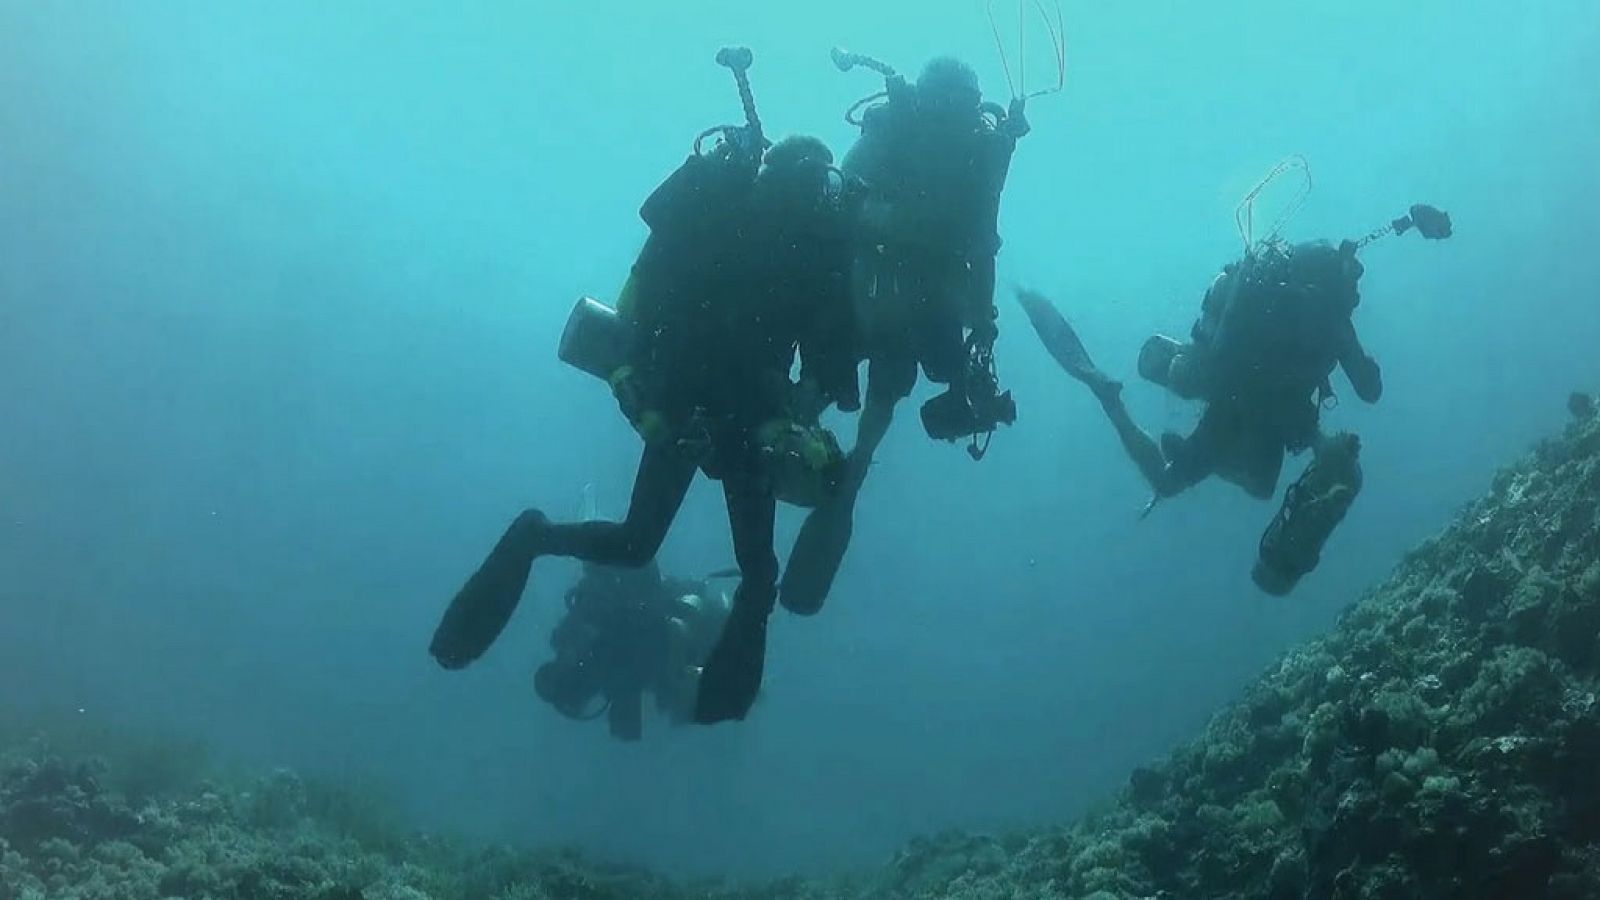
[
  {"x": 1312, "y": 507},
  {"x": 819, "y": 551},
  {"x": 732, "y": 675},
  {"x": 485, "y": 603}
]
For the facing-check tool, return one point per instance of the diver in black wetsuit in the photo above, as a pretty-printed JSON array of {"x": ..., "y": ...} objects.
[
  {"x": 627, "y": 633},
  {"x": 934, "y": 157},
  {"x": 742, "y": 269},
  {"x": 1273, "y": 327}
]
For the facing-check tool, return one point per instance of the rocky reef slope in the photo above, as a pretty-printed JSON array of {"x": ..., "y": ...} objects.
[
  {"x": 64, "y": 834},
  {"x": 1442, "y": 742}
]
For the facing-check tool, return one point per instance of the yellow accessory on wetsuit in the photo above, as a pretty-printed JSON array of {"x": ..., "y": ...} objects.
[
  {"x": 802, "y": 463},
  {"x": 650, "y": 424}
]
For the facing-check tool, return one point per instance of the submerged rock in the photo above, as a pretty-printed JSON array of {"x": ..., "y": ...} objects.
[{"x": 1442, "y": 742}]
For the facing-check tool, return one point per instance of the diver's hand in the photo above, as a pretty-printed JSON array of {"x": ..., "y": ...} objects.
[
  {"x": 1017, "y": 118},
  {"x": 985, "y": 327}
]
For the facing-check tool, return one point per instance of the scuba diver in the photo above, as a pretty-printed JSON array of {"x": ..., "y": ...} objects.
[
  {"x": 1273, "y": 327},
  {"x": 628, "y": 632},
  {"x": 747, "y": 262},
  {"x": 934, "y": 157}
]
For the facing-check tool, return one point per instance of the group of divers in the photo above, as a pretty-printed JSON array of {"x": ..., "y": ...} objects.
[{"x": 759, "y": 252}]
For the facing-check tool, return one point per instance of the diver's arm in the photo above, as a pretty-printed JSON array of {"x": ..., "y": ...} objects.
[
  {"x": 828, "y": 347},
  {"x": 979, "y": 309},
  {"x": 1015, "y": 125},
  {"x": 1359, "y": 366}
]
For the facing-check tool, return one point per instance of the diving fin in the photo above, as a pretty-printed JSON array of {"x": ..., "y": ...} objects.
[
  {"x": 818, "y": 553},
  {"x": 732, "y": 675},
  {"x": 1063, "y": 343},
  {"x": 485, "y": 603}
]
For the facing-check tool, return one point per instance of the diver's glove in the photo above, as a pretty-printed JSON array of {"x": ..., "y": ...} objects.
[
  {"x": 985, "y": 326},
  {"x": 1016, "y": 124}
]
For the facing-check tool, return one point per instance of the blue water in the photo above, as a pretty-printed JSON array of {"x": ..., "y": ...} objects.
[{"x": 279, "y": 292}]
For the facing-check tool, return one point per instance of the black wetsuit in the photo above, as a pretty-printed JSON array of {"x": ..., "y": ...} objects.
[
  {"x": 734, "y": 280},
  {"x": 1270, "y": 334},
  {"x": 615, "y": 643},
  {"x": 723, "y": 312},
  {"x": 936, "y": 257}
]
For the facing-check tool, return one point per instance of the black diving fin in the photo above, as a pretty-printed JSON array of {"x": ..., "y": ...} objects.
[
  {"x": 1062, "y": 342},
  {"x": 818, "y": 553},
  {"x": 485, "y": 603}
]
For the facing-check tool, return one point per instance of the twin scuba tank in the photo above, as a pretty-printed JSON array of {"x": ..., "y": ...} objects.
[
  {"x": 697, "y": 207},
  {"x": 690, "y": 204}
]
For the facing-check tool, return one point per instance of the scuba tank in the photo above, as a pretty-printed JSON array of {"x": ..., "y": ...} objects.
[
  {"x": 963, "y": 179},
  {"x": 691, "y": 203},
  {"x": 872, "y": 158},
  {"x": 698, "y": 195},
  {"x": 596, "y": 339}
]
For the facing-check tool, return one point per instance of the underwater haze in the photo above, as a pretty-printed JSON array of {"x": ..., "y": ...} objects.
[{"x": 280, "y": 290}]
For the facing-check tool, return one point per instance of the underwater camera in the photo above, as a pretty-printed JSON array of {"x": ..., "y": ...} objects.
[
  {"x": 954, "y": 415},
  {"x": 974, "y": 407},
  {"x": 979, "y": 408}
]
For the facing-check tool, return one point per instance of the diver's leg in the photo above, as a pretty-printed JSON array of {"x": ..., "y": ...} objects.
[
  {"x": 937, "y": 334},
  {"x": 1192, "y": 459},
  {"x": 658, "y": 491},
  {"x": 483, "y": 606},
  {"x": 819, "y": 549},
  {"x": 890, "y": 379},
  {"x": 732, "y": 675},
  {"x": 625, "y": 715},
  {"x": 1138, "y": 444},
  {"x": 1262, "y": 457},
  {"x": 1061, "y": 342}
]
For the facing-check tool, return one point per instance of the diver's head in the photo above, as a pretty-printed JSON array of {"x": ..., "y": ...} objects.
[
  {"x": 795, "y": 170},
  {"x": 568, "y": 686},
  {"x": 1322, "y": 265},
  {"x": 948, "y": 89},
  {"x": 798, "y": 150}
]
